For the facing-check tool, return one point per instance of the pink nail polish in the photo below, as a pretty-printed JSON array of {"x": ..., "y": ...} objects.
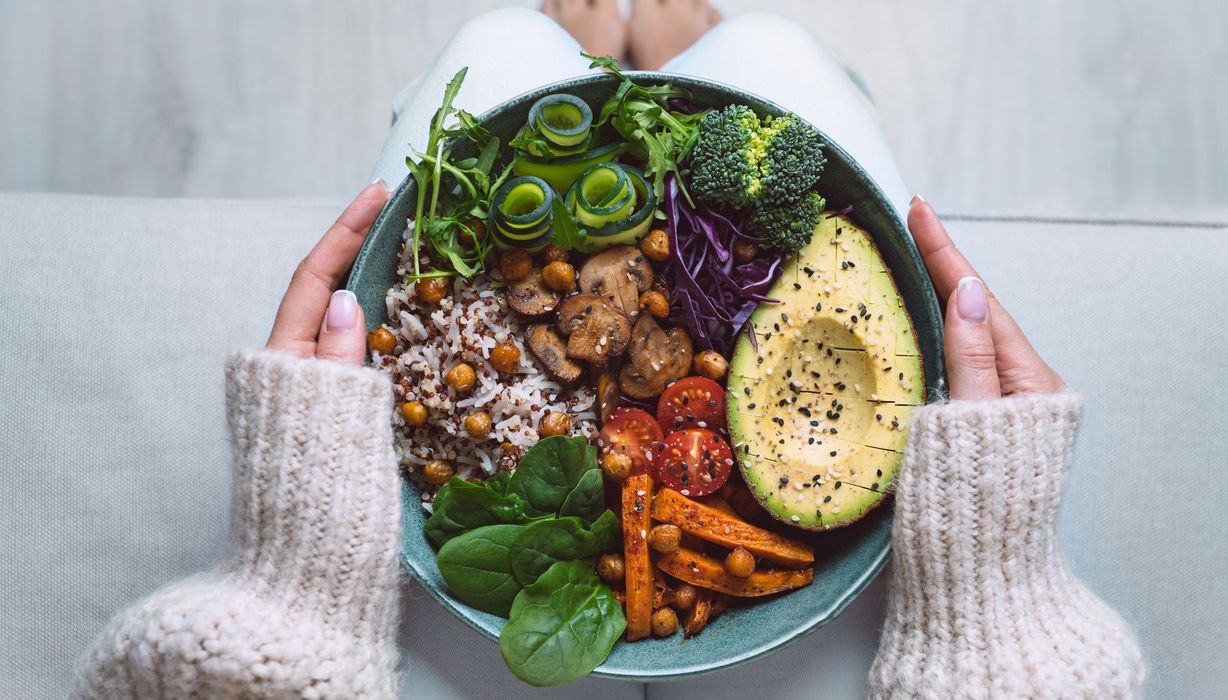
[
  {"x": 342, "y": 312},
  {"x": 971, "y": 301}
]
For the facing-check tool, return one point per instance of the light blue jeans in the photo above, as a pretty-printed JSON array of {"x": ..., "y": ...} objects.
[{"x": 514, "y": 50}]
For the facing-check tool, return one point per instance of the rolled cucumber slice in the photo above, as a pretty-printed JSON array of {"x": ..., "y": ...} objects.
[
  {"x": 561, "y": 172},
  {"x": 562, "y": 119},
  {"x": 521, "y": 213}
]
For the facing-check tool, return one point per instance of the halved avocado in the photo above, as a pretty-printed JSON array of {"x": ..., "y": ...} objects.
[{"x": 820, "y": 400}]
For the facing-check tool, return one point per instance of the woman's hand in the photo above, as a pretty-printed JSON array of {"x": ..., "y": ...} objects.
[
  {"x": 315, "y": 318},
  {"x": 987, "y": 354}
]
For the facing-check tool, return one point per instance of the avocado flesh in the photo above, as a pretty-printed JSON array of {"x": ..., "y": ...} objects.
[{"x": 819, "y": 412}]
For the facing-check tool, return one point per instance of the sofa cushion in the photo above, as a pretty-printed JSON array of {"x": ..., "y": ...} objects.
[{"x": 115, "y": 315}]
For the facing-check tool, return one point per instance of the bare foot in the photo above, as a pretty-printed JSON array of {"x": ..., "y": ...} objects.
[
  {"x": 595, "y": 24},
  {"x": 662, "y": 29}
]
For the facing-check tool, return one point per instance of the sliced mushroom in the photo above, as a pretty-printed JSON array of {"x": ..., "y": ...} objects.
[
  {"x": 607, "y": 396},
  {"x": 621, "y": 274},
  {"x": 596, "y": 329},
  {"x": 655, "y": 357},
  {"x": 548, "y": 346},
  {"x": 531, "y": 297}
]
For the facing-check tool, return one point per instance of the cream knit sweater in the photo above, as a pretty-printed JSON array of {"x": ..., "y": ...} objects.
[
  {"x": 981, "y": 602},
  {"x": 305, "y": 604}
]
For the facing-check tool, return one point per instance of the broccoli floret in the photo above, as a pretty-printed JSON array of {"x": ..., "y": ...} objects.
[
  {"x": 726, "y": 160},
  {"x": 794, "y": 159},
  {"x": 740, "y": 160},
  {"x": 787, "y": 226}
]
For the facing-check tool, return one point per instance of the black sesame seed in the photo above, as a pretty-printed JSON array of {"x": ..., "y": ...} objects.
[
  {"x": 827, "y": 499},
  {"x": 837, "y": 485}
]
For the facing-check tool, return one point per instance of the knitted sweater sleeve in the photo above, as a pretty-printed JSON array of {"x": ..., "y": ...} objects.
[
  {"x": 981, "y": 603},
  {"x": 306, "y": 601}
]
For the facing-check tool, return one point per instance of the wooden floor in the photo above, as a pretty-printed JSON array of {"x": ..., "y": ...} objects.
[{"x": 1105, "y": 108}]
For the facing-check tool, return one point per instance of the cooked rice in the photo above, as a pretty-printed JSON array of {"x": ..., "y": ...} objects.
[{"x": 464, "y": 327}]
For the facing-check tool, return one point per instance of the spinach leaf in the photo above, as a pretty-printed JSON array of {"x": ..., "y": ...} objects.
[
  {"x": 498, "y": 482},
  {"x": 587, "y": 500},
  {"x": 461, "y": 506},
  {"x": 541, "y": 544},
  {"x": 549, "y": 471},
  {"x": 561, "y": 627},
  {"x": 477, "y": 569}
]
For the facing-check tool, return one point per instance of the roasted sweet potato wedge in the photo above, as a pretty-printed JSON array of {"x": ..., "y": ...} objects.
[
  {"x": 706, "y": 572},
  {"x": 637, "y": 507},
  {"x": 699, "y": 615},
  {"x": 714, "y": 525}
]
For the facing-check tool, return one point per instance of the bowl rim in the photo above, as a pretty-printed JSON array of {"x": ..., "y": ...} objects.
[{"x": 811, "y": 622}]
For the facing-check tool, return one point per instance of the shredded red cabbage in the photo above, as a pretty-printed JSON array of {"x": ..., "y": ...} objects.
[{"x": 713, "y": 294}]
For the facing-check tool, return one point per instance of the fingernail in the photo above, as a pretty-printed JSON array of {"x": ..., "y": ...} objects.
[
  {"x": 380, "y": 181},
  {"x": 342, "y": 312},
  {"x": 916, "y": 199},
  {"x": 971, "y": 301}
]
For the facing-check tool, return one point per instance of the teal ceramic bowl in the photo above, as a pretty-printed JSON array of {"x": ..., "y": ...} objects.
[{"x": 848, "y": 559}]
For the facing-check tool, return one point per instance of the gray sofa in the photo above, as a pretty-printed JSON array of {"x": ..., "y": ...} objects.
[{"x": 115, "y": 315}]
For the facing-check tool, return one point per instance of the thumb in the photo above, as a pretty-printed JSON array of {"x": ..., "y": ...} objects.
[
  {"x": 971, "y": 359},
  {"x": 343, "y": 335}
]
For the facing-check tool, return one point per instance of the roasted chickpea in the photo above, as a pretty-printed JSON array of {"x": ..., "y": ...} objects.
[
  {"x": 515, "y": 265},
  {"x": 740, "y": 563},
  {"x": 655, "y": 303},
  {"x": 559, "y": 276},
  {"x": 478, "y": 424},
  {"x": 656, "y": 245},
  {"x": 437, "y": 471},
  {"x": 413, "y": 412},
  {"x": 745, "y": 251},
  {"x": 431, "y": 290},
  {"x": 382, "y": 340},
  {"x": 665, "y": 538},
  {"x": 555, "y": 423},
  {"x": 684, "y": 596},
  {"x": 553, "y": 253},
  {"x": 616, "y": 466},
  {"x": 610, "y": 568},
  {"x": 711, "y": 364},
  {"x": 664, "y": 622},
  {"x": 505, "y": 357},
  {"x": 461, "y": 377}
]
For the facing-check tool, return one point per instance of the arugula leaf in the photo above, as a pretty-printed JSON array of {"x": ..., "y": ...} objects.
[
  {"x": 545, "y": 542},
  {"x": 549, "y": 471},
  {"x": 567, "y": 234},
  {"x": 477, "y": 569},
  {"x": 562, "y": 626},
  {"x": 661, "y": 137},
  {"x": 453, "y": 194}
]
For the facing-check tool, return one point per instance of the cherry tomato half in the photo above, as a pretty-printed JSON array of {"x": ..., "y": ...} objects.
[
  {"x": 694, "y": 402},
  {"x": 693, "y": 462},
  {"x": 633, "y": 432}
]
